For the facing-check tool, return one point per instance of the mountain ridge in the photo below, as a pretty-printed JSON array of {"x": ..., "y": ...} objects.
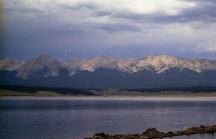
[
  {"x": 105, "y": 72},
  {"x": 157, "y": 63}
]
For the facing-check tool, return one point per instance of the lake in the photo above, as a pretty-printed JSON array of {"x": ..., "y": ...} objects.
[{"x": 76, "y": 118}]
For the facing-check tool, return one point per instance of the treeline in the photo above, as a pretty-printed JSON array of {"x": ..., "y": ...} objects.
[
  {"x": 64, "y": 91},
  {"x": 194, "y": 89}
]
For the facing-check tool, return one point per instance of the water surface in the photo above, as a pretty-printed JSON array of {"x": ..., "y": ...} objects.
[{"x": 68, "y": 118}]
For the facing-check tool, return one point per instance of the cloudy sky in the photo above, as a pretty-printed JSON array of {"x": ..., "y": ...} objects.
[{"x": 118, "y": 28}]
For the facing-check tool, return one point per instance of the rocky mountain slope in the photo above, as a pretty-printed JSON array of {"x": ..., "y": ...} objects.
[
  {"x": 44, "y": 64},
  {"x": 157, "y": 64},
  {"x": 105, "y": 72}
]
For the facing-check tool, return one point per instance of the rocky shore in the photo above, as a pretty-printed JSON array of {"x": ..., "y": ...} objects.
[{"x": 152, "y": 133}]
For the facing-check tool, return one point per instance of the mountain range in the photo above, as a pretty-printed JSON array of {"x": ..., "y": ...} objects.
[{"x": 106, "y": 72}]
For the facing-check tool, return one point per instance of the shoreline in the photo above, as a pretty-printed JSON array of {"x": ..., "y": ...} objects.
[{"x": 135, "y": 98}]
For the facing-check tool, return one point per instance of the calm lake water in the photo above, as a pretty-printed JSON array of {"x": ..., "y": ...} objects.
[{"x": 47, "y": 118}]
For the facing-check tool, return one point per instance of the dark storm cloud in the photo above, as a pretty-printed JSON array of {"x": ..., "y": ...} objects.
[
  {"x": 80, "y": 6},
  {"x": 58, "y": 26},
  {"x": 22, "y": 10},
  {"x": 97, "y": 11},
  {"x": 2, "y": 49},
  {"x": 118, "y": 28},
  {"x": 19, "y": 8},
  {"x": 205, "y": 11}
]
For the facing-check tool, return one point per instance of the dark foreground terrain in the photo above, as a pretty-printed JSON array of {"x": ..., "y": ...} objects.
[
  {"x": 13, "y": 90},
  {"x": 41, "y": 91},
  {"x": 152, "y": 133}
]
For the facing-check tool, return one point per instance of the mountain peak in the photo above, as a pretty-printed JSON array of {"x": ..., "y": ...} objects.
[
  {"x": 103, "y": 71},
  {"x": 158, "y": 64},
  {"x": 43, "y": 63},
  {"x": 98, "y": 62}
]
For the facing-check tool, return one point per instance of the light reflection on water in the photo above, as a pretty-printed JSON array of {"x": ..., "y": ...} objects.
[{"x": 79, "y": 118}]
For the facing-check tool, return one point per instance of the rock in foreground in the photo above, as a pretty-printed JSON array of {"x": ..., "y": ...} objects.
[{"x": 152, "y": 133}]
